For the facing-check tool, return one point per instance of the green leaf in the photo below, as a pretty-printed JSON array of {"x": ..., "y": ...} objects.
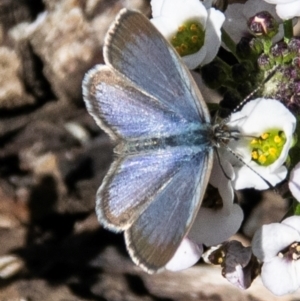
[
  {"x": 295, "y": 150},
  {"x": 297, "y": 208}
]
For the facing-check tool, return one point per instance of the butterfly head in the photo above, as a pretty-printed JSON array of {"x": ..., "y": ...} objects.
[{"x": 222, "y": 134}]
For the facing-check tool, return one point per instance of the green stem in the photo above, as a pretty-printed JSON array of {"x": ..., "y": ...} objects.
[
  {"x": 267, "y": 44},
  {"x": 231, "y": 84},
  {"x": 288, "y": 30},
  {"x": 296, "y": 207},
  {"x": 222, "y": 63},
  {"x": 230, "y": 44}
]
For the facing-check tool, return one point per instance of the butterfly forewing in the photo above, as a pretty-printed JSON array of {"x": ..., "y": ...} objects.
[
  {"x": 144, "y": 56},
  {"x": 124, "y": 111},
  {"x": 147, "y": 101}
]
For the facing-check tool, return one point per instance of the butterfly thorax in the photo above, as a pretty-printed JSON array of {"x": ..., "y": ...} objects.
[
  {"x": 198, "y": 138},
  {"x": 222, "y": 134}
]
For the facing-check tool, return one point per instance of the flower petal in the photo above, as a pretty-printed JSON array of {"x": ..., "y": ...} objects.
[
  {"x": 271, "y": 239},
  {"x": 222, "y": 182},
  {"x": 280, "y": 1},
  {"x": 212, "y": 226},
  {"x": 281, "y": 276},
  {"x": 164, "y": 25},
  {"x": 186, "y": 256},
  {"x": 214, "y": 23},
  {"x": 293, "y": 221},
  {"x": 183, "y": 10},
  {"x": 289, "y": 10},
  {"x": 194, "y": 60},
  {"x": 294, "y": 183},
  {"x": 246, "y": 178},
  {"x": 240, "y": 277},
  {"x": 156, "y": 6}
]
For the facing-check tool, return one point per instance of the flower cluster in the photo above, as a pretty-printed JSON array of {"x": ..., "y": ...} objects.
[
  {"x": 277, "y": 245},
  {"x": 264, "y": 60}
]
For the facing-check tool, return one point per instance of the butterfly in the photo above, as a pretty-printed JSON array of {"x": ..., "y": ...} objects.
[{"x": 146, "y": 100}]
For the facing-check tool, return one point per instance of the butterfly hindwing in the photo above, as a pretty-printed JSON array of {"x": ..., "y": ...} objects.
[
  {"x": 134, "y": 181},
  {"x": 152, "y": 244}
]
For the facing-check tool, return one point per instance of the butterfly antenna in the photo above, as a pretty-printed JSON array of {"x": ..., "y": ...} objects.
[
  {"x": 225, "y": 121},
  {"x": 248, "y": 97}
]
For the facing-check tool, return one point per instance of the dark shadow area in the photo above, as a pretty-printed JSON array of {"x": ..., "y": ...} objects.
[
  {"x": 9, "y": 165},
  {"x": 66, "y": 260},
  {"x": 55, "y": 253},
  {"x": 80, "y": 170},
  {"x": 250, "y": 199},
  {"x": 33, "y": 75},
  {"x": 36, "y": 7},
  {"x": 137, "y": 286}
]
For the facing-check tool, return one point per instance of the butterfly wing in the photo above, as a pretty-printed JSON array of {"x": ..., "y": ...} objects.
[
  {"x": 155, "y": 236},
  {"x": 145, "y": 92},
  {"x": 124, "y": 111},
  {"x": 133, "y": 179},
  {"x": 136, "y": 49}
]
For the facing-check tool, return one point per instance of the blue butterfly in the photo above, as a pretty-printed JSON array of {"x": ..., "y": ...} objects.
[{"x": 147, "y": 101}]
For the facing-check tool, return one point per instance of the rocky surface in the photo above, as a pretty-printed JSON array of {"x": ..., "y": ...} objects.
[{"x": 52, "y": 160}]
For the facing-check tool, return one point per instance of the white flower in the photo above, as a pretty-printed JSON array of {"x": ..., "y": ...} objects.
[
  {"x": 237, "y": 15},
  {"x": 277, "y": 245},
  {"x": 215, "y": 225},
  {"x": 269, "y": 123},
  {"x": 286, "y": 9},
  {"x": 294, "y": 183},
  {"x": 199, "y": 29},
  {"x": 186, "y": 256}
]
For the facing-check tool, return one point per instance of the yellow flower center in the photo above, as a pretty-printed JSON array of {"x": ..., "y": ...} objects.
[
  {"x": 189, "y": 38},
  {"x": 266, "y": 148}
]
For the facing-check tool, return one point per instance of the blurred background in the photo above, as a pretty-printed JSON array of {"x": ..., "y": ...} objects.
[{"x": 53, "y": 158}]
